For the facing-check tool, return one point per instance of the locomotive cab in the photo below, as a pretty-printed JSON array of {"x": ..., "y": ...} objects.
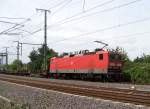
[{"x": 115, "y": 63}]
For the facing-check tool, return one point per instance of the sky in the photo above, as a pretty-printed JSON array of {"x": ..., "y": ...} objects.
[{"x": 75, "y": 24}]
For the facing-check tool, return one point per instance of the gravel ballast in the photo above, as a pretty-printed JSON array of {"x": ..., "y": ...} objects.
[
  {"x": 4, "y": 104},
  {"x": 35, "y": 98},
  {"x": 8, "y": 104}
]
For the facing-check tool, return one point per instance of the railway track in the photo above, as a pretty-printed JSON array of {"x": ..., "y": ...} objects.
[{"x": 122, "y": 95}]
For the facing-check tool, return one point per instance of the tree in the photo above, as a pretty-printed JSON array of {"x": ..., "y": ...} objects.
[
  {"x": 120, "y": 51},
  {"x": 33, "y": 55},
  {"x": 139, "y": 69},
  {"x": 36, "y": 61},
  {"x": 37, "y": 58},
  {"x": 144, "y": 59},
  {"x": 139, "y": 73},
  {"x": 16, "y": 65}
]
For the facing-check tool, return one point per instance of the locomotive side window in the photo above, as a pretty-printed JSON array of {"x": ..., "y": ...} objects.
[{"x": 100, "y": 56}]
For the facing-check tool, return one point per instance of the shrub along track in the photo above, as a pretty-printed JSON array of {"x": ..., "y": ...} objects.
[{"x": 123, "y": 95}]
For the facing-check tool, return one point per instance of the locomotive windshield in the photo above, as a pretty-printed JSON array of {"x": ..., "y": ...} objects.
[{"x": 115, "y": 57}]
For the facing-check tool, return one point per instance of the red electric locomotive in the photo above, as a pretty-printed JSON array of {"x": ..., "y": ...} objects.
[{"x": 100, "y": 64}]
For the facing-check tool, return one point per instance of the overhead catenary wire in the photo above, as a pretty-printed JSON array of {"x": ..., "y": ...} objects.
[
  {"x": 116, "y": 39},
  {"x": 12, "y": 34},
  {"x": 97, "y": 6},
  {"x": 49, "y": 8},
  {"x": 24, "y": 30},
  {"x": 104, "y": 29},
  {"x": 10, "y": 29},
  {"x": 108, "y": 9},
  {"x": 16, "y": 26},
  {"x": 134, "y": 34},
  {"x": 62, "y": 2},
  {"x": 101, "y": 11},
  {"x": 61, "y": 7},
  {"x": 30, "y": 43},
  {"x": 9, "y": 22},
  {"x": 80, "y": 13},
  {"x": 66, "y": 3},
  {"x": 13, "y": 27},
  {"x": 12, "y": 18}
]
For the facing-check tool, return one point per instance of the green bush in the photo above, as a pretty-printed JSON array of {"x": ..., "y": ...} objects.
[
  {"x": 138, "y": 70},
  {"x": 139, "y": 73},
  {"x": 16, "y": 65}
]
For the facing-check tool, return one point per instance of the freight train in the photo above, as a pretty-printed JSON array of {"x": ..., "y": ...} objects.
[{"x": 98, "y": 64}]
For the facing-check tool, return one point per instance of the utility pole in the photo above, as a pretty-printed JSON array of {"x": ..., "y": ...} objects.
[
  {"x": 6, "y": 56},
  {"x": 45, "y": 36},
  {"x": 2, "y": 55},
  {"x": 18, "y": 49},
  {"x": 21, "y": 48},
  {"x": 2, "y": 59},
  {"x": 6, "y": 48},
  {"x": 23, "y": 43}
]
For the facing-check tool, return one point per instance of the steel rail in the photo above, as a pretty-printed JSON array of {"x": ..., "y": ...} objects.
[
  {"x": 92, "y": 87},
  {"x": 122, "y": 95}
]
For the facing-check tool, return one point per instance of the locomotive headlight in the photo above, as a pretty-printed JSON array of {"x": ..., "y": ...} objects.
[
  {"x": 119, "y": 65},
  {"x": 115, "y": 64},
  {"x": 112, "y": 64}
]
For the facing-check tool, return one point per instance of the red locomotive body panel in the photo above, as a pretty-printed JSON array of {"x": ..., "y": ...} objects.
[
  {"x": 98, "y": 64},
  {"x": 88, "y": 63}
]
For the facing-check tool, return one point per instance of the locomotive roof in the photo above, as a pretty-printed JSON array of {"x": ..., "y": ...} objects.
[{"x": 86, "y": 53}]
